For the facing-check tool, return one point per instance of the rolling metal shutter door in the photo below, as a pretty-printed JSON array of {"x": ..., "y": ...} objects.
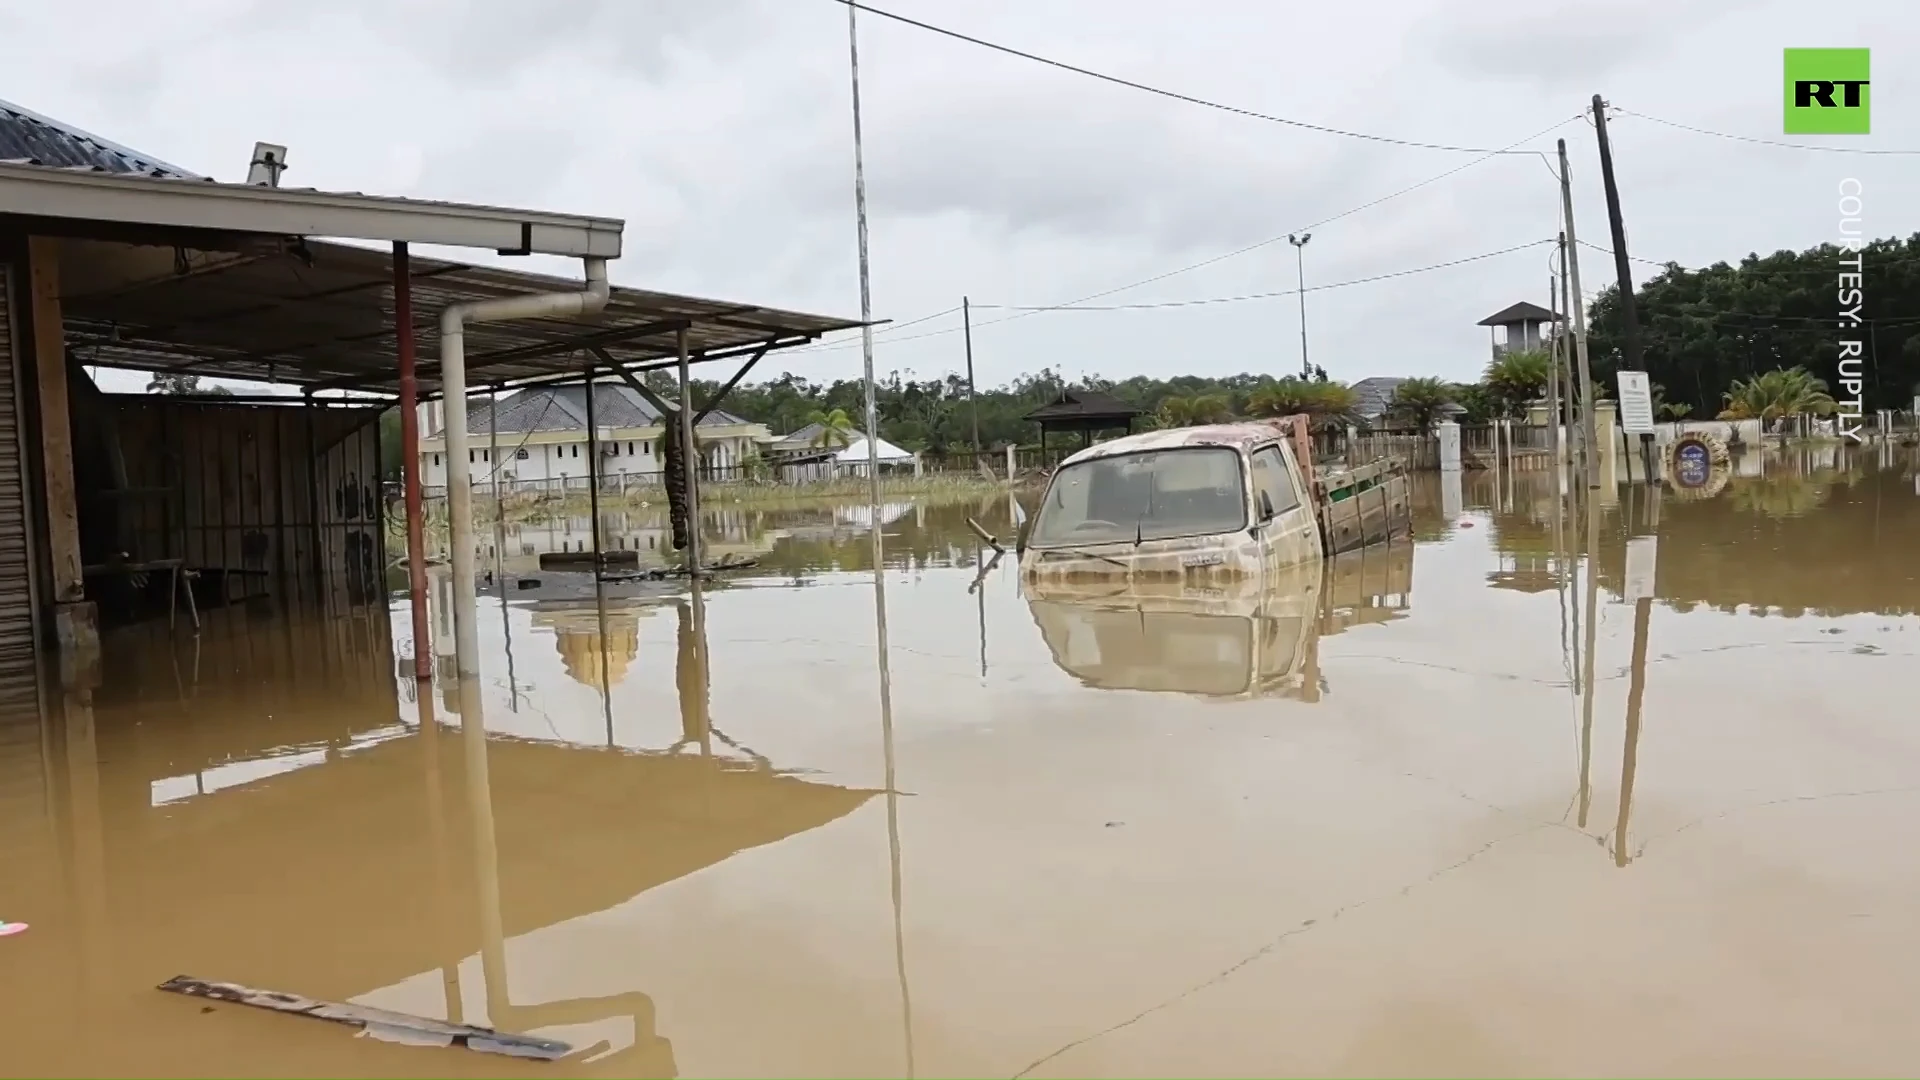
[
  {"x": 16, "y": 563},
  {"x": 23, "y": 787}
]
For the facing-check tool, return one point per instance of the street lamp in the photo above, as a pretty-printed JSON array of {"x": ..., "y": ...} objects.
[{"x": 1300, "y": 259}]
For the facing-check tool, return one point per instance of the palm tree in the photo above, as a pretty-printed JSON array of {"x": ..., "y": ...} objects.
[
  {"x": 1516, "y": 379},
  {"x": 1421, "y": 400},
  {"x": 1177, "y": 411},
  {"x": 1325, "y": 402},
  {"x": 836, "y": 429},
  {"x": 1676, "y": 410},
  {"x": 1781, "y": 392}
]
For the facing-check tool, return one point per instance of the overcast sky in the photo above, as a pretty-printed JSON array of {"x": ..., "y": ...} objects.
[{"x": 719, "y": 130}]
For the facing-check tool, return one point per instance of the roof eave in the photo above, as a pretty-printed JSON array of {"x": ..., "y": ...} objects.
[{"x": 35, "y": 191}]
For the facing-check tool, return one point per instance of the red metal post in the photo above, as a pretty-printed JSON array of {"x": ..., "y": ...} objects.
[{"x": 410, "y": 462}]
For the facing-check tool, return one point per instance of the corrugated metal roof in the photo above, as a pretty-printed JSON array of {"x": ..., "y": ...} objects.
[
  {"x": 1373, "y": 397},
  {"x": 324, "y": 319},
  {"x": 28, "y": 138}
]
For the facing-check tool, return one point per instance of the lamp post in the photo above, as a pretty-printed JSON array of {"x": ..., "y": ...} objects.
[{"x": 1300, "y": 261}]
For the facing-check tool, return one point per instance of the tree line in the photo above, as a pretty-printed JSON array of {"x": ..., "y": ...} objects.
[
  {"x": 1711, "y": 332},
  {"x": 1752, "y": 339}
]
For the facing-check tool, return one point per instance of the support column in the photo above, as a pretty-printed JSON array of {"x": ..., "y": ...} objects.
[
  {"x": 499, "y": 508},
  {"x": 690, "y": 459},
  {"x": 1448, "y": 433},
  {"x": 410, "y": 461},
  {"x": 75, "y": 624}
]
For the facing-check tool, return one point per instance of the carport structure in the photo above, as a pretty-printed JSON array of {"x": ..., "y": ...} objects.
[{"x": 150, "y": 270}]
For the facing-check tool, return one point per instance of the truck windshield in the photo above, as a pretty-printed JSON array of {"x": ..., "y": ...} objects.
[{"x": 1152, "y": 495}]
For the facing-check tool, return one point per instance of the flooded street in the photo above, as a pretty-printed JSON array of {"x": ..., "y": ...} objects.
[{"x": 1365, "y": 824}]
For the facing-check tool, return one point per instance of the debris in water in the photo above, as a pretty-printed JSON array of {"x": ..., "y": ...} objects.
[
  {"x": 380, "y": 1022},
  {"x": 8, "y": 929}
]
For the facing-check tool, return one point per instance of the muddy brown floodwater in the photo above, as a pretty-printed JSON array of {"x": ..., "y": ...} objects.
[{"x": 1380, "y": 821}]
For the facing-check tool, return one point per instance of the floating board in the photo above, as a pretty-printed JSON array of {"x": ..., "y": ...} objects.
[{"x": 375, "y": 1021}]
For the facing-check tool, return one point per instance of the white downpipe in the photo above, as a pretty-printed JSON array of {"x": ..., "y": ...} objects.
[{"x": 453, "y": 383}]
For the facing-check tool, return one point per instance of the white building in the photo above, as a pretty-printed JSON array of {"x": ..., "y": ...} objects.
[{"x": 542, "y": 439}]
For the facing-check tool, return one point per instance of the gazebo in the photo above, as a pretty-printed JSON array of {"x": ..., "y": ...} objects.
[
  {"x": 1522, "y": 322},
  {"x": 1084, "y": 411}
]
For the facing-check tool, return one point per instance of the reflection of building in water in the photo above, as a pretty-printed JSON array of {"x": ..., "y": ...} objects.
[
  {"x": 593, "y": 648},
  {"x": 251, "y": 825},
  {"x": 723, "y": 532},
  {"x": 1238, "y": 641}
]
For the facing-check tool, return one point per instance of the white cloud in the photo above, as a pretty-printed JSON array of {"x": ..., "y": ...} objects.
[{"x": 719, "y": 131}]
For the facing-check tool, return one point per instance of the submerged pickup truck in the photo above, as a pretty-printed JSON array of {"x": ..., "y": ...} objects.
[{"x": 1230, "y": 501}]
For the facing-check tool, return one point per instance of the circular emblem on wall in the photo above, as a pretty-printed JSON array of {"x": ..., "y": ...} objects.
[{"x": 1698, "y": 465}]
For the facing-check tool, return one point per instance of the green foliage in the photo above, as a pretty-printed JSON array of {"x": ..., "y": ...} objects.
[
  {"x": 1419, "y": 401},
  {"x": 1515, "y": 380},
  {"x": 835, "y": 426},
  {"x": 165, "y": 382},
  {"x": 1327, "y": 402},
  {"x": 1702, "y": 330},
  {"x": 1190, "y": 410},
  {"x": 1771, "y": 395},
  {"x": 1478, "y": 401}
]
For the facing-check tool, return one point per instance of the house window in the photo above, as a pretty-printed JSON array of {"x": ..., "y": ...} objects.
[
  {"x": 576, "y": 449},
  {"x": 629, "y": 449},
  {"x": 436, "y": 461},
  {"x": 519, "y": 455},
  {"x": 469, "y": 457}
]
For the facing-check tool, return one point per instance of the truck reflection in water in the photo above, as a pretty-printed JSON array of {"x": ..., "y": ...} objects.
[{"x": 1248, "y": 640}]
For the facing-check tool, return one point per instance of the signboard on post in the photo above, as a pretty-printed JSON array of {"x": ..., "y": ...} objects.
[{"x": 1636, "y": 403}]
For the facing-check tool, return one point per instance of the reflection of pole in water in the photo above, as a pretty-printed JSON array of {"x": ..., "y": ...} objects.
[
  {"x": 980, "y": 593},
  {"x": 506, "y": 638},
  {"x": 437, "y": 837},
  {"x": 879, "y": 580},
  {"x": 893, "y": 789},
  {"x": 690, "y": 676},
  {"x": 1636, "y": 695},
  {"x": 1586, "y": 669},
  {"x": 486, "y": 861}
]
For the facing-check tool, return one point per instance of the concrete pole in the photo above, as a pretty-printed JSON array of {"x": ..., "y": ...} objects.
[
  {"x": 1553, "y": 396},
  {"x": 689, "y": 458},
  {"x": 499, "y": 509},
  {"x": 1578, "y": 307}
]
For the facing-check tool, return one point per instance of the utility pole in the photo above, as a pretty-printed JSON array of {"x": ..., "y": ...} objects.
[
  {"x": 866, "y": 293},
  {"x": 1578, "y": 306},
  {"x": 1566, "y": 352},
  {"x": 1553, "y": 395},
  {"x": 1300, "y": 261},
  {"x": 973, "y": 399},
  {"x": 1631, "y": 358}
]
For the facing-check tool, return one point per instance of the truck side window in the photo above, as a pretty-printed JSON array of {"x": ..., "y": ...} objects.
[{"x": 1270, "y": 476}]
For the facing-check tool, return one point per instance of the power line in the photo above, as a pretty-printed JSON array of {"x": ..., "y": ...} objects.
[
  {"x": 1158, "y": 91},
  {"x": 1764, "y": 142},
  {"x": 1755, "y": 270},
  {"x": 1271, "y": 295},
  {"x": 1236, "y": 253}
]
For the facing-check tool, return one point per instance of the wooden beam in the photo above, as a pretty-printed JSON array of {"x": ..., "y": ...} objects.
[{"x": 56, "y": 431}]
